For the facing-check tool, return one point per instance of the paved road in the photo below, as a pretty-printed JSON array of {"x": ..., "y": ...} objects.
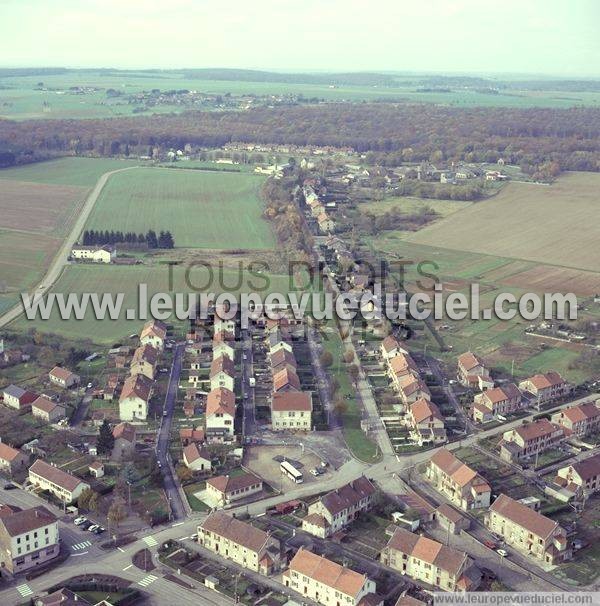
[
  {"x": 171, "y": 485},
  {"x": 61, "y": 258},
  {"x": 248, "y": 393}
]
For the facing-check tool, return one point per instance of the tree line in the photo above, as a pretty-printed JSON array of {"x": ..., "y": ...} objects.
[
  {"x": 164, "y": 239},
  {"x": 405, "y": 132}
]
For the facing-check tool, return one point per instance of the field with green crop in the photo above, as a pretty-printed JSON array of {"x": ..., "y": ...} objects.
[
  {"x": 201, "y": 209},
  {"x": 22, "y": 99},
  {"x": 79, "y": 172},
  {"x": 113, "y": 279}
]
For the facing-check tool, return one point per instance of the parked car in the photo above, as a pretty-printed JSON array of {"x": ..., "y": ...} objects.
[
  {"x": 502, "y": 552},
  {"x": 9, "y": 486},
  {"x": 93, "y": 527},
  {"x": 85, "y": 525},
  {"x": 99, "y": 530},
  {"x": 490, "y": 544},
  {"x": 80, "y": 520}
]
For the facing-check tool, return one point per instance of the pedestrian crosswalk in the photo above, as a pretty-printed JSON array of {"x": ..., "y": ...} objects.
[
  {"x": 82, "y": 545},
  {"x": 147, "y": 580},
  {"x": 24, "y": 590},
  {"x": 150, "y": 541}
]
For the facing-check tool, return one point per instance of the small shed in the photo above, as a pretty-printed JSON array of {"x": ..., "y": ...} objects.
[{"x": 450, "y": 519}]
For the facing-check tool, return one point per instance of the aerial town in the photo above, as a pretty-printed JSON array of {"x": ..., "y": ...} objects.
[{"x": 412, "y": 410}]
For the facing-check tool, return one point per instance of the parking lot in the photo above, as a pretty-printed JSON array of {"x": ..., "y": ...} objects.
[{"x": 264, "y": 460}]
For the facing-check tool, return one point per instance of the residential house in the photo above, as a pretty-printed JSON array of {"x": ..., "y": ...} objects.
[
  {"x": 463, "y": 486},
  {"x": 530, "y": 439},
  {"x": 221, "y": 347},
  {"x": 12, "y": 460},
  {"x": 339, "y": 508},
  {"x": 528, "y": 531},
  {"x": 407, "y": 600},
  {"x": 144, "y": 361},
  {"x": 412, "y": 389},
  {"x": 17, "y": 397},
  {"x": 124, "y": 435},
  {"x": 154, "y": 333},
  {"x": 28, "y": 538},
  {"x": 96, "y": 254},
  {"x": 578, "y": 420},
  {"x": 222, "y": 373},
  {"x": 286, "y": 380},
  {"x": 196, "y": 459},
  {"x": 133, "y": 401},
  {"x": 64, "y": 486},
  {"x": 426, "y": 422},
  {"x": 63, "y": 377},
  {"x": 428, "y": 561},
  {"x": 281, "y": 359},
  {"x": 327, "y": 583},
  {"x": 220, "y": 414},
  {"x": 226, "y": 489},
  {"x": 244, "y": 544},
  {"x": 401, "y": 366},
  {"x": 47, "y": 410},
  {"x": 391, "y": 347},
  {"x": 291, "y": 410},
  {"x": 450, "y": 519},
  {"x": 189, "y": 435},
  {"x": 579, "y": 479},
  {"x": 326, "y": 223},
  {"x": 96, "y": 469},
  {"x": 276, "y": 341},
  {"x": 546, "y": 387},
  {"x": 470, "y": 369},
  {"x": 503, "y": 400}
]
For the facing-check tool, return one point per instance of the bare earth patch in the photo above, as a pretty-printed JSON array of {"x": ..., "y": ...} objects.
[{"x": 38, "y": 207}]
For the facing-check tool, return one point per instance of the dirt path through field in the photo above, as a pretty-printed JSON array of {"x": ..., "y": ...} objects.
[{"x": 61, "y": 257}]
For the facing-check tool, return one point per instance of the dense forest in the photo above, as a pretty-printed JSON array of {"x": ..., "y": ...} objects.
[{"x": 569, "y": 137}]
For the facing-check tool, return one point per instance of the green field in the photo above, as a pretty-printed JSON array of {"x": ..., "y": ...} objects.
[
  {"x": 125, "y": 279},
  {"x": 19, "y": 99},
  {"x": 201, "y": 209},
  {"x": 81, "y": 172}
]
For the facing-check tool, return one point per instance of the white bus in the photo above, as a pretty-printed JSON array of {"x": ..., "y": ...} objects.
[{"x": 287, "y": 469}]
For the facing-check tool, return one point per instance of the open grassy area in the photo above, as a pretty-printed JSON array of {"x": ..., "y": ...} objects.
[
  {"x": 81, "y": 172},
  {"x": 81, "y": 279},
  {"x": 362, "y": 448},
  {"x": 410, "y": 204},
  {"x": 20, "y": 99},
  {"x": 201, "y": 209},
  {"x": 526, "y": 220}
]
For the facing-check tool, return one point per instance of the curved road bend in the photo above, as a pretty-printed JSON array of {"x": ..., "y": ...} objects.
[
  {"x": 61, "y": 257},
  {"x": 171, "y": 485}
]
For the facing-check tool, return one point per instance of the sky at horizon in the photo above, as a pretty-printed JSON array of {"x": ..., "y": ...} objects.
[{"x": 545, "y": 37}]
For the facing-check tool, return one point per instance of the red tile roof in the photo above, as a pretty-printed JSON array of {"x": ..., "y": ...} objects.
[
  {"x": 220, "y": 400},
  {"x": 292, "y": 400},
  {"x": 56, "y": 476},
  {"x": 524, "y": 516},
  {"x": 226, "y": 484},
  {"x": 328, "y": 573}
]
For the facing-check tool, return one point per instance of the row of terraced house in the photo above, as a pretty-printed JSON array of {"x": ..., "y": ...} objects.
[{"x": 422, "y": 416}]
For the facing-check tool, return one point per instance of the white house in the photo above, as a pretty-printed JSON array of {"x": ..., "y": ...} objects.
[{"x": 96, "y": 254}]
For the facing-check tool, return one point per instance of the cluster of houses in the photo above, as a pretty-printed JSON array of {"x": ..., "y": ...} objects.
[
  {"x": 422, "y": 416},
  {"x": 41, "y": 406},
  {"x": 220, "y": 409},
  {"x": 137, "y": 387},
  {"x": 519, "y": 524},
  {"x": 291, "y": 407},
  {"x": 317, "y": 209},
  {"x": 532, "y": 439},
  {"x": 495, "y": 402}
]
